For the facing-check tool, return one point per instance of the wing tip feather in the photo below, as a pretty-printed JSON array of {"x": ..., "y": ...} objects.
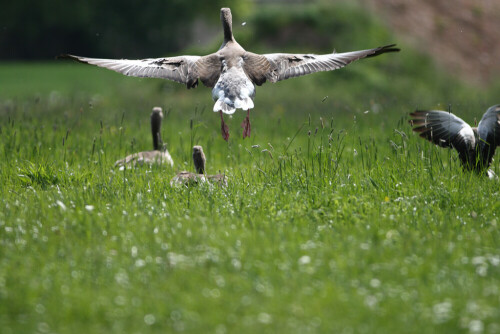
[{"x": 384, "y": 49}]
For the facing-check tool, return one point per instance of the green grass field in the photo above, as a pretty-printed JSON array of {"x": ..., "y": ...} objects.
[{"x": 337, "y": 219}]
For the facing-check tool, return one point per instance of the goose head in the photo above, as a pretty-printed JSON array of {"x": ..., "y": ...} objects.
[
  {"x": 156, "y": 118},
  {"x": 199, "y": 159},
  {"x": 227, "y": 24}
]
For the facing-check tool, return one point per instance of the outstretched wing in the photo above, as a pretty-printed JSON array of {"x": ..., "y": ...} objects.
[
  {"x": 446, "y": 130},
  {"x": 287, "y": 65},
  {"x": 489, "y": 134},
  {"x": 180, "y": 69}
]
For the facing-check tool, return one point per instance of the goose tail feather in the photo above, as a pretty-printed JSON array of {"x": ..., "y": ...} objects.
[{"x": 224, "y": 107}]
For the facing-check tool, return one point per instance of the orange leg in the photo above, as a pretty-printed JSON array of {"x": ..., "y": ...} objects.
[
  {"x": 224, "y": 128},
  {"x": 246, "y": 125}
]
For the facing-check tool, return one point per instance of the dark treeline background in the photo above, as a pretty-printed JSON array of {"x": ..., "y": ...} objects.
[{"x": 33, "y": 30}]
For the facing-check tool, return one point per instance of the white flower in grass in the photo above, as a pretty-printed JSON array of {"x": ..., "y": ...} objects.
[
  {"x": 476, "y": 326},
  {"x": 149, "y": 319},
  {"x": 304, "y": 260},
  {"x": 264, "y": 318},
  {"x": 442, "y": 312},
  {"x": 374, "y": 283}
]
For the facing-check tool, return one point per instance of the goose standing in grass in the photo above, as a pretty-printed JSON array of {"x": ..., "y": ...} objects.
[
  {"x": 159, "y": 155},
  {"x": 476, "y": 146},
  {"x": 187, "y": 178},
  {"x": 232, "y": 72}
]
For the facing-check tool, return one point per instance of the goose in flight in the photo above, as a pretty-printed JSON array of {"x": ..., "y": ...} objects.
[
  {"x": 159, "y": 155},
  {"x": 476, "y": 146},
  {"x": 232, "y": 72},
  {"x": 186, "y": 178}
]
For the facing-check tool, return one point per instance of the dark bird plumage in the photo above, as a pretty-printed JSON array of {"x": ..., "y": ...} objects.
[{"x": 475, "y": 145}]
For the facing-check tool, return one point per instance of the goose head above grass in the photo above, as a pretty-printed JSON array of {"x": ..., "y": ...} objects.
[
  {"x": 187, "y": 178},
  {"x": 232, "y": 72},
  {"x": 159, "y": 154},
  {"x": 475, "y": 145},
  {"x": 199, "y": 159}
]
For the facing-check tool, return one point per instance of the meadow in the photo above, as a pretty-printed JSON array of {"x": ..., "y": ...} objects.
[{"x": 336, "y": 219}]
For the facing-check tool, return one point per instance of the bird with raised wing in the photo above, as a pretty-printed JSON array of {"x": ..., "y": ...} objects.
[
  {"x": 159, "y": 154},
  {"x": 232, "y": 72},
  {"x": 475, "y": 145},
  {"x": 189, "y": 178}
]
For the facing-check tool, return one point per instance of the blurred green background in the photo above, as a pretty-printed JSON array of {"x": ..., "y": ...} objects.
[{"x": 132, "y": 29}]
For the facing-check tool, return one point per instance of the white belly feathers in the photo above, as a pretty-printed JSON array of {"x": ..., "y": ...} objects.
[{"x": 233, "y": 90}]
